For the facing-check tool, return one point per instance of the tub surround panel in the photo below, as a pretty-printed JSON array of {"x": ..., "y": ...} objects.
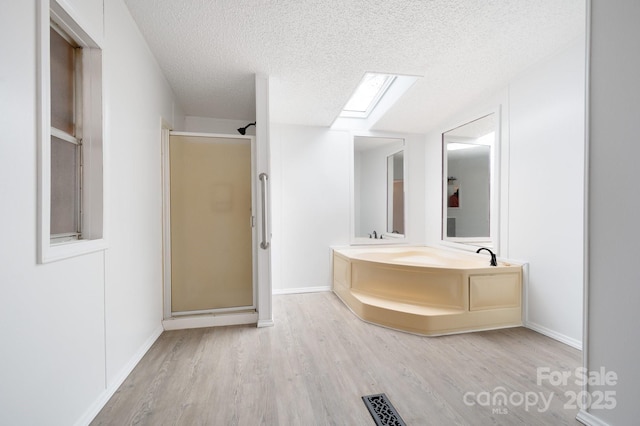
[
  {"x": 342, "y": 271},
  {"x": 427, "y": 291},
  {"x": 409, "y": 284},
  {"x": 494, "y": 291}
]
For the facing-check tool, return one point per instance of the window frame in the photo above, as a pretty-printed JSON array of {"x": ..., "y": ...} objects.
[
  {"x": 74, "y": 138},
  {"x": 91, "y": 174}
]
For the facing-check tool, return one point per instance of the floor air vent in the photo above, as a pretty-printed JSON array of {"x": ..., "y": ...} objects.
[{"x": 382, "y": 411}]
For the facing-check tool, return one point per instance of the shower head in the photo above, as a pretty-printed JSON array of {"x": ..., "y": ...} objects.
[{"x": 243, "y": 130}]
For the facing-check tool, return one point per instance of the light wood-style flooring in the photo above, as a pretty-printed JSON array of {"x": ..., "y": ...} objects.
[{"x": 315, "y": 364}]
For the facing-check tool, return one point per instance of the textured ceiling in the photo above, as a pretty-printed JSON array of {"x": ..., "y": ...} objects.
[{"x": 316, "y": 51}]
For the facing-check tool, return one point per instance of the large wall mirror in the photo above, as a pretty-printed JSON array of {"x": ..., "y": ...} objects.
[
  {"x": 468, "y": 177},
  {"x": 378, "y": 189}
]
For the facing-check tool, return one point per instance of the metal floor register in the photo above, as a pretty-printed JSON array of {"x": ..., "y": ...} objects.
[{"x": 383, "y": 413}]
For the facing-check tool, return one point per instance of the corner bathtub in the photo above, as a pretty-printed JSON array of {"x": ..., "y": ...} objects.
[{"x": 426, "y": 290}]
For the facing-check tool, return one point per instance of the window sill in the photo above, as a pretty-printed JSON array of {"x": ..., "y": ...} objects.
[{"x": 60, "y": 251}]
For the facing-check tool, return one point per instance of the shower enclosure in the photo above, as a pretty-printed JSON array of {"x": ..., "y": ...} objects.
[{"x": 212, "y": 237}]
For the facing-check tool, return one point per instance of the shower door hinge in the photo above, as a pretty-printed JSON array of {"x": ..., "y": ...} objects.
[{"x": 253, "y": 221}]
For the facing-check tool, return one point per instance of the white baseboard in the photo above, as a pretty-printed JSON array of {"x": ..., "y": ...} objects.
[
  {"x": 265, "y": 323},
  {"x": 213, "y": 320},
  {"x": 554, "y": 335},
  {"x": 301, "y": 290},
  {"x": 112, "y": 387},
  {"x": 589, "y": 419}
]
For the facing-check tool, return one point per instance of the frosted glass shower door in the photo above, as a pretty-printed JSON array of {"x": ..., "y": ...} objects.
[{"x": 211, "y": 223}]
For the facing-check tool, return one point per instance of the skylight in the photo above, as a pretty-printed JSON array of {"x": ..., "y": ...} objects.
[
  {"x": 369, "y": 92},
  {"x": 375, "y": 94}
]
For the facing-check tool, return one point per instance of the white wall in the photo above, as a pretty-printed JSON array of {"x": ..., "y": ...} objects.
[
  {"x": 546, "y": 189},
  {"x": 138, "y": 98},
  {"x": 310, "y": 203},
  {"x": 72, "y": 328},
  {"x": 416, "y": 207},
  {"x": 613, "y": 275}
]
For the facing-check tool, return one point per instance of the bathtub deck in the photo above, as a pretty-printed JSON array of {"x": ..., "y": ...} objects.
[{"x": 428, "y": 301}]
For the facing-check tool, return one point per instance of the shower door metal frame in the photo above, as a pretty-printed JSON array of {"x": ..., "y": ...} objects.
[{"x": 166, "y": 225}]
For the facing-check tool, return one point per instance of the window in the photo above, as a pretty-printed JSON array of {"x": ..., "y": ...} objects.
[
  {"x": 370, "y": 90},
  {"x": 71, "y": 196},
  {"x": 375, "y": 94},
  {"x": 66, "y": 141}
]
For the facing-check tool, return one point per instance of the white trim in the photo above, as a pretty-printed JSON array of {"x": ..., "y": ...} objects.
[
  {"x": 60, "y": 251},
  {"x": 265, "y": 323},
  {"x": 254, "y": 219},
  {"x": 585, "y": 209},
  {"x": 44, "y": 130},
  {"x": 213, "y": 311},
  {"x": 111, "y": 388},
  {"x": 166, "y": 221},
  {"x": 299, "y": 290},
  {"x": 553, "y": 334},
  {"x": 263, "y": 164},
  {"x": 201, "y": 321},
  {"x": 589, "y": 419},
  {"x": 72, "y": 22},
  {"x": 525, "y": 293}
]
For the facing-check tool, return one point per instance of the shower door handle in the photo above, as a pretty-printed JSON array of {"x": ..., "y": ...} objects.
[{"x": 264, "y": 244}]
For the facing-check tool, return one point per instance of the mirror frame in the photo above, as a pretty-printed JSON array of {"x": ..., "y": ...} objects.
[
  {"x": 473, "y": 243},
  {"x": 354, "y": 239}
]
